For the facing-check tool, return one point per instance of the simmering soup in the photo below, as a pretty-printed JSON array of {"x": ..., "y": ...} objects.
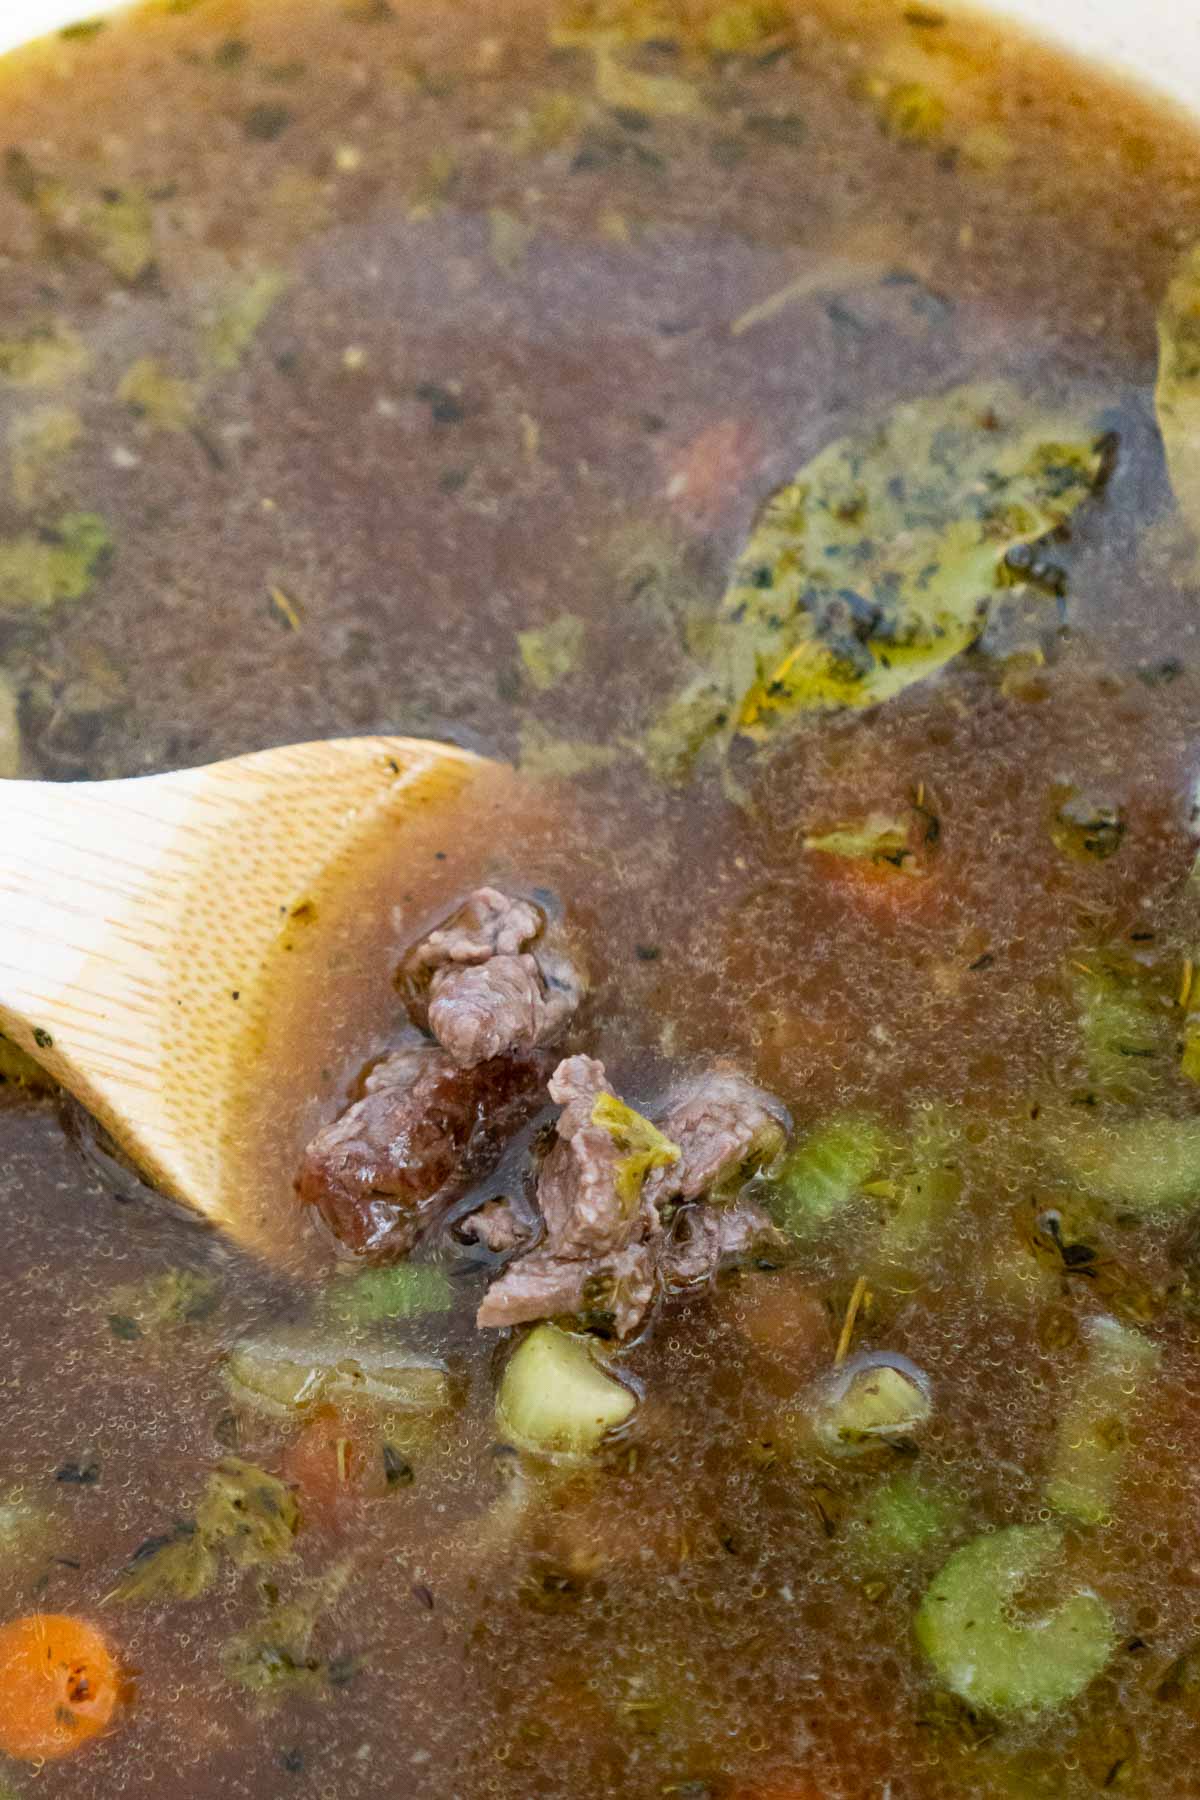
[{"x": 736, "y": 1328}]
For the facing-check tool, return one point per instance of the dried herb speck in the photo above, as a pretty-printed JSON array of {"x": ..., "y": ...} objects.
[{"x": 267, "y": 122}]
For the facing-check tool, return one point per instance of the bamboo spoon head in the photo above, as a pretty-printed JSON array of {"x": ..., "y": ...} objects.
[{"x": 172, "y": 911}]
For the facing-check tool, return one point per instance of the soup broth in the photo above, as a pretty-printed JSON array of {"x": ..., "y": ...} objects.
[{"x": 368, "y": 367}]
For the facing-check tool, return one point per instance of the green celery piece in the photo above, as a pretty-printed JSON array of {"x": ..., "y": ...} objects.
[
  {"x": 928, "y": 1191},
  {"x": 879, "y": 562},
  {"x": 1127, "y": 1036},
  {"x": 966, "y": 1627},
  {"x": 289, "y": 1374},
  {"x": 880, "y": 1403},
  {"x": 1091, "y": 1433},
  {"x": 38, "y": 569},
  {"x": 1147, "y": 1166},
  {"x": 876, "y": 838},
  {"x": 825, "y": 1173},
  {"x": 900, "y": 1520},
  {"x": 409, "y": 1291},
  {"x": 554, "y": 1397},
  {"x": 551, "y": 653},
  {"x": 238, "y": 315}
]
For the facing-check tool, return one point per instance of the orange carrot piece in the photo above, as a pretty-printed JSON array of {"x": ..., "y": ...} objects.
[{"x": 59, "y": 1685}]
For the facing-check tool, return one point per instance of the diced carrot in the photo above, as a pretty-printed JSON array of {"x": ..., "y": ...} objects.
[
  {"x": 59, "y": 1685},
  {"x": 328, "y": 1462}
]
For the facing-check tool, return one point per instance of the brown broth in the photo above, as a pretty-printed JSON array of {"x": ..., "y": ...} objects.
[{"x": 495, "y": 379}]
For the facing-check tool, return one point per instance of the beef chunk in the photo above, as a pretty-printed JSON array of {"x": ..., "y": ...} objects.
[
  {"x": 578, "y": 1188},
  {"x": 613, "y": 1292},
  {"x": 703, "y": 1239},
  {"x": 423, "y": 1131},
  {"x": 490, "y": 1008},
  {"x": 605, "y": 1251},
  {"x": 487, "y": 924},
  {"x": 598, "y": 1256},
  {"x": 496, "y": 1226},
  {"x": 490, "y": 981},
  {"x": 725, "y": 1128}
]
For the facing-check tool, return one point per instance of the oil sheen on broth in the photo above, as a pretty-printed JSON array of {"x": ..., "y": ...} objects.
[{"x": 374, "y": 367}]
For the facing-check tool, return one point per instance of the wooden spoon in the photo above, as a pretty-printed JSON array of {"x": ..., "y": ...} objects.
[{"x": 137, "y": 916}]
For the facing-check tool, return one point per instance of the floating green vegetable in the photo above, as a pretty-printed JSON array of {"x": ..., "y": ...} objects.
[
  {"x": 1127, "y": 1024},
  {"x": 509, "y": 238},
  {"x": 632, "y": 90},
  {"x": 1093, "y": 1430},
  {"x": 167, "y": 402},
  {"x": 27, "y": 1533},
  {"x": 275, "y": 1654},
  {"x": 38, "y": 569},
  {"x": 1145, "y": 1166},
  {"x": 408, "y": 1291},
  {"x": 550, "y": 121},
  {"x": 642, "y": 1144},
  {"x": 900, "y": 1520},
  {"x": 875, "y": 1398},
  {"x": 552, "y": 652},
  {"x": 912, "y": 110},
  {"x": 293, "y": 1372},
  {"x": 745, "y": 26},
  {"x": 120, "y": 227},
  {"x": 161, "y": 1303},
  {"x": 244, "y": 1514},
  {"x": 877, "y": 838},
  {"x": 235, "y": 321},
  {"x": 39, "y": 442},
  {"x": 46, "y": 358},
  {"x": 1177, "y": 393},
  {"x": 927, "y": 1191},
  {"x": 544, "y": 757},
  {"x": 996, "y": 1659},
  {"x": 116, "y": 227},
  {"x": 554, "y": 1398},
  {"x": 879, "y": 563},
  {"x": 826, "y": 1172}
]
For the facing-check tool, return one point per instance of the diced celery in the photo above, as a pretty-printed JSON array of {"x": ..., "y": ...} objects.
[
  {"x": 874, "y": 1397},
  {"x": 1092, "y": 1431},
  {"x": 1144, "y": 1166},
  {"x": 992, "y": 1659},
  {"x": 408, "y": 1291},
  {"x": 1127, "y": 1029},
  {"x": 555, "y": 1399},
  {"x": 900, "y": 1520},
  {"x": 930, "y": 1189},
  {"x": 827, "y": 1171},
  {"x": 292, "y": 1372}
]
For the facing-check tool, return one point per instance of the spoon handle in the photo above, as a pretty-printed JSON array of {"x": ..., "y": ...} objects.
[{"x": 134, "y": 916}]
